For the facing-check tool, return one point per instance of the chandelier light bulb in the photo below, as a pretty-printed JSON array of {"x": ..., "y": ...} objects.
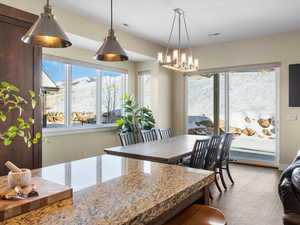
[
  {"x": 175, "y": 54},
  {"x": 183, "y": 58},
  {"x": 160, "y": 57},
  {"x": 190, "y": 61},
  {"x": 169, "y": 60},
  {"x": 196, "y": 63}
]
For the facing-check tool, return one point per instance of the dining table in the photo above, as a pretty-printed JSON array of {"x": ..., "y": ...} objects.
[
  {"x": 169, "y": 150},
  {"x": 113, "y": 190}
]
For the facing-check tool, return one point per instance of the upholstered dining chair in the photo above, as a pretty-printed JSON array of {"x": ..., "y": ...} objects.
[
  {"x": 149, "y": 135},
  {"x": 165, "y": 133},
  {"x": 223, "y": 161},
  {"x": 128, "y": 138}
]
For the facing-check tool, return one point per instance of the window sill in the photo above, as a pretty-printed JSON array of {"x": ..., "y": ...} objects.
[{"x": 51, "y": 132}]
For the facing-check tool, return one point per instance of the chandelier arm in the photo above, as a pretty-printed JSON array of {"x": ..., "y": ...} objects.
[
  {"x": 170, "y": 36},
  {"x": 187, "y": 35}
]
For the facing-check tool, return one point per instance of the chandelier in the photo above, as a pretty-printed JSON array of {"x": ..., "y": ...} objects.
[{"x": 178, "y": 59}]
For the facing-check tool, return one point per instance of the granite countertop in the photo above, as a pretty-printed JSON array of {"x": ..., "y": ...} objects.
[{"x": 111, "y": 190}]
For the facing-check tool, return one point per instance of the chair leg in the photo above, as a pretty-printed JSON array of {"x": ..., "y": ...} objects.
[
  {"x": 217, "y": 183},
  {"x": 228, "y": 172},
  {"x": 222, "y": 178}
]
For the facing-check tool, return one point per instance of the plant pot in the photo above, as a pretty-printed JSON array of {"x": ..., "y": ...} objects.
[{"x": 22, "y": 178}]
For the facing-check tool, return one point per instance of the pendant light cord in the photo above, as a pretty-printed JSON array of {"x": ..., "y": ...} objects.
[
  {"x": 47, "y": 4},
  {"x": 170, "y": 36},
  {"x": 111, "y": 14},
  {"x": 187, "y": 35}
]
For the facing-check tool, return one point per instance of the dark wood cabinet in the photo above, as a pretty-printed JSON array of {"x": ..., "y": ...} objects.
[
  {"x": 20, "y": 64},
  {"x": 294, "y": 85}
]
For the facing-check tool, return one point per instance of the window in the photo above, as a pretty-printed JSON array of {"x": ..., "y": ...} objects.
[
  {"x": 84, "y": 96},
  {"x": 145, "y": 88},
  {"x": 77, "y": 95},
  {"x": 53, "y": 82},
  {"x": 113, "y": 85}
]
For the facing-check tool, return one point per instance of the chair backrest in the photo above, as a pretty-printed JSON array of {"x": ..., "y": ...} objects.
[
  {"x": 128, "y": 138},
  {"x": 149, "y": 135},
  {"x": 199, "y": 153},
  {"x": 224, "y": 155},
  {"x": 212, "y": 152},
  {"x": 165, "y": 133}
]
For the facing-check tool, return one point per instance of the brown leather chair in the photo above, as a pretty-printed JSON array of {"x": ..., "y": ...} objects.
[{"x": 199, "y": 215}]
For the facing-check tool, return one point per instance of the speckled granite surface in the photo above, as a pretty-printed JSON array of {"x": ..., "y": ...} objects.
[{"x": 110, "y": 190}]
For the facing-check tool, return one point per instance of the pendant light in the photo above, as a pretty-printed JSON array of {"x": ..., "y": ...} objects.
[
  {"x": 111, "y": 50},
  {"x": 46, "y": 32},
  {"x": 180, "y": 60}
]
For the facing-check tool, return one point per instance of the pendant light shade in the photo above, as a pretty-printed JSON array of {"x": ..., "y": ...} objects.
[
  {"x": 111, "y": 50},
  {"x": 46, "y": 32}
]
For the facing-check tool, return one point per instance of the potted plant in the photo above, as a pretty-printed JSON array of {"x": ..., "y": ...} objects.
[
  {"x": 136, "y": 118},
  {"x": 11, "y": 102}
]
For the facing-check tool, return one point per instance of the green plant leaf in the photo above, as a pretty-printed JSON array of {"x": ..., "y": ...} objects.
[
  {"x": 7, "y": 142},
  {"x": 5, "y": 84},
  {"x": 33, "y": 103},
  {"x": 38, "y": 135},
  {"x": 31, "y": 120},
  {"x": 119, "y": 122},
  {"x": 20, "y": 120},
  {"x": 31, "y": 93},
  {"x": 21, "y": 133},
  {"x": 2, "y": 116},
  {"x": 12, "y": 129}
]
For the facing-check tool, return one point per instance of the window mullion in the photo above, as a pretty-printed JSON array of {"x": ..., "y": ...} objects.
[
  {"x": 227, "y": 118},
  {"x": 68, "y": 95}
]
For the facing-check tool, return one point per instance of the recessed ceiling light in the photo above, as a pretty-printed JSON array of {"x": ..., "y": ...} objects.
[{"x": 214, "y": 34}]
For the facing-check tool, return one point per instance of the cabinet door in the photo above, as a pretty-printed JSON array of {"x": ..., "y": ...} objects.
[{"x": 20, "y": 66}]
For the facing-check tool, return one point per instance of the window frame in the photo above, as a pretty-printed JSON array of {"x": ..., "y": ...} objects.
[{"x": 68, "y": 128}]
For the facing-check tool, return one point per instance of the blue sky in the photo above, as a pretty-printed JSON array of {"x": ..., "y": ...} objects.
[{"x": 56, "y": 71}]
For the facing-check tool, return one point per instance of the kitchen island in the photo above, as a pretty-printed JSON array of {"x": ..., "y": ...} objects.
[{"x": 111, "y": 190}]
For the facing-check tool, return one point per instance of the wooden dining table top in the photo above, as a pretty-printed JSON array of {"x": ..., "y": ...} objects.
[{"x": 168, "y": 150}]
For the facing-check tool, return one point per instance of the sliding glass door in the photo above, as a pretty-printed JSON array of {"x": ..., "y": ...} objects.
[
  {"x": 252, "y": 114},
  {"x": 247, "y": 108}
]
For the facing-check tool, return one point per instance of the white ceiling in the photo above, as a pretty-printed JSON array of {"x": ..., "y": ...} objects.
[{"x": 234, "y": 19}]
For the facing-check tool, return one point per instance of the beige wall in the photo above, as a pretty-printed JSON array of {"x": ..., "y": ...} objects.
[
  {"x": 161, "y": 92},
  {"x": 282, "y": 48}
]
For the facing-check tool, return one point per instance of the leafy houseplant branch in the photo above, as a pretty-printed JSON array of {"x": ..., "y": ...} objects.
[
  {"x": 136, "y": 118},
  {"x": 11, "y": 101}
]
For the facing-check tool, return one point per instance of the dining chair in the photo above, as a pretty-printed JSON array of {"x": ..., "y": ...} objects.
[
  {"x": 149, "y": 135},
  {"x": 165, "y": 133},
  {"x": 211, "y": 157},
  {"x": 223, "y": 161},
  {"x": 198, "y": 215},
  {"x": 198, "y": 154},
  {"x": 128, "y": 138}
]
